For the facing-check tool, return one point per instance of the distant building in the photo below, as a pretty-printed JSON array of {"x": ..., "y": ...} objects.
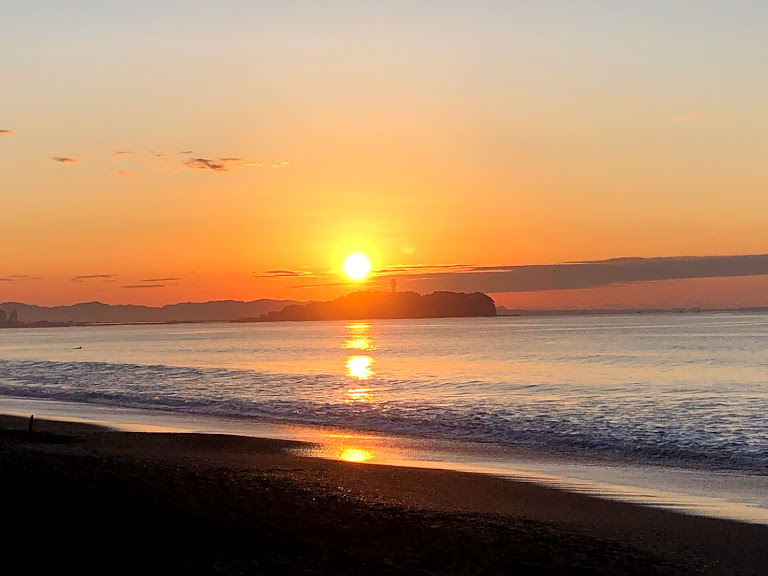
[{"x": 393, "y": 285}]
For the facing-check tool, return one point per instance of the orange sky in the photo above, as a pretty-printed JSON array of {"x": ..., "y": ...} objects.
[{"x": 175, "y": 152}]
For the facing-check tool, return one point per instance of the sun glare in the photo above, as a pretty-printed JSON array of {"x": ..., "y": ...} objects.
[{"x": 357, "y": 266}]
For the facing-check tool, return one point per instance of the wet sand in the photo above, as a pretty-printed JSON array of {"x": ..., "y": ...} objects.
[{"x": 91, "y": 500}]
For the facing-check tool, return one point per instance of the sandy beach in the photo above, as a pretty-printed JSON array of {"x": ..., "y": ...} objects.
[{"x": 92, "y": 500}]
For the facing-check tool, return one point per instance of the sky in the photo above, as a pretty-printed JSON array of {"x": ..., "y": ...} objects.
[{"x": 158, "y": 152}]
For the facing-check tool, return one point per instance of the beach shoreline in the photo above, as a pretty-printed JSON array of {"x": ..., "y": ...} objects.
[
  {"x": 717, "y": 494},
  {"x": 312, "y": 515}
]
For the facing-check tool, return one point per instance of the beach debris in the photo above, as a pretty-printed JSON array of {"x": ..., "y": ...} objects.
[{"x": 31, "y": 423}]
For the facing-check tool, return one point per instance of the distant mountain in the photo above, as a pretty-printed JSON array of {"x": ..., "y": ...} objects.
[
  {"x": 98, "y": 313},
  {"x": 370, "y": 305}
]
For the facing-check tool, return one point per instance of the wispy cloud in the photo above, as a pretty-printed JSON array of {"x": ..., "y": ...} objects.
[
  {"x": 74, "y": 159},
  {"x": 178, "y": 161},
  {"x": 6, "y": 279},
  {"x": 120, "y": 153},
  {"x": 160, "y": 279},
  {"x": 228, "y": 164},
  {"x": 133, "y": 286},
  {"x": 205, "y": 164},
  {"x": 284, "y": 274},
  {"x": 423, "y": 268},
  {"x": 324, "y": 284},
  {"x": 84, "y": 277},
  {"x": 5, "y": 132}
]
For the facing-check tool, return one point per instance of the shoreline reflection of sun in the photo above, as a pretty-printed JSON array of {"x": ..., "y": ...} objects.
[{"x": 355, "y": 455}]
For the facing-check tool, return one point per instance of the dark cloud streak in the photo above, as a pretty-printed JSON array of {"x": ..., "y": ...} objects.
[
  {"x": 160, "y": 279},
  {"x": 205, "y": 164},
  {"x": 579, "y": 275},
  {"x": 131, "y": 286},
  {"x": 65, "y": 159},
  {"x": 283, "y": 274},
  {"x": 120, "y": 153},
  {"x": 93, "y": 277}
]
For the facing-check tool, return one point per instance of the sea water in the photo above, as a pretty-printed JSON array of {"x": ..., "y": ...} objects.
[{"x": 687, "y": 393}]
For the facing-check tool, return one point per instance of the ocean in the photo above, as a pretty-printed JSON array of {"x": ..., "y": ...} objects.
[{"x": 685, "y": 394}]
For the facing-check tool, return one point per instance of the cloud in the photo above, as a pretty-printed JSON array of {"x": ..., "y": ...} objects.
[
  {"x": 160, "y": 279},
  {"x": 126, "y": 173},
  {"x": 592, "y": 274},
  {"x": 120, "y": 153},
  {"x": 5, "y": 132},
  {"x": 284, "y": 274},
  {"x": 74, "y": 159},
  {"x": 93, "y": 277},
  {"x": 321, "y": 285},
  {"x": 410, "y": 268},
  {"x": 186, "y": 152},
  {"x": 144, "y": 286},
  {"x": 6, "y": 279},
  {"x": 228, "y": 164},
  {"x": 205, "y": 164}
]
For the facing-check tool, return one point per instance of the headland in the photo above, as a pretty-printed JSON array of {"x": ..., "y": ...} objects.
[{"x": 365, "y": 305}]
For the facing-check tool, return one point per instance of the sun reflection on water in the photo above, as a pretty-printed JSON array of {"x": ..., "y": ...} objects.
[
  {"x": 359, "y": 395},
  {"x": 359, "y": 367},
  {"x": 358, "y": 337},
  {"x": 354, "y": 455},
  {"x": 361, "y": 343}
]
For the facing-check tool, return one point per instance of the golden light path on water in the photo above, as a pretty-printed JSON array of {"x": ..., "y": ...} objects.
[
  {"x": 359, "y": 367},
  {"x": 358, "y": 337}
]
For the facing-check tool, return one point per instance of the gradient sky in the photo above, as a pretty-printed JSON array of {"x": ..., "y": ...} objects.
[{"x": 155, "y": 152}]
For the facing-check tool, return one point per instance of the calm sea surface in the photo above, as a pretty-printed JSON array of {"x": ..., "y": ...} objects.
[{"x": 688, "y": 391}]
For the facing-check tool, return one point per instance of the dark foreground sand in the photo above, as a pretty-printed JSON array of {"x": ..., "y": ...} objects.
[{"x": 87, "y": 500}]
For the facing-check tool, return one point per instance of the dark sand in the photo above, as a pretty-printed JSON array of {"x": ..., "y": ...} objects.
[{"x": 87, "y": 500}]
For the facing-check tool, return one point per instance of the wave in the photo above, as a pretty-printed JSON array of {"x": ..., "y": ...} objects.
[{"x": 693, "y": 431}]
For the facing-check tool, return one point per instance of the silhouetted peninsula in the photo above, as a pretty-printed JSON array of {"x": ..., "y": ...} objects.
[{"x": 369, "y": 305}]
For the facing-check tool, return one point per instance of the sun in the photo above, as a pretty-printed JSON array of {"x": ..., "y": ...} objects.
[{"x": 357, "y": 266}]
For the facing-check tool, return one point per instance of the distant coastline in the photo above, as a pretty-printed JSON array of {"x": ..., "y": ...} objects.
[
  {"x": 19, "y": 315},
  {"x": 503, "y": 311},
  {"x": 99, "y": 314}
]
